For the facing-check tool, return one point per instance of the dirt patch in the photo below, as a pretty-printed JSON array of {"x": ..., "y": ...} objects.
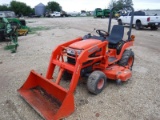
[{"x": 9, "y": 111}]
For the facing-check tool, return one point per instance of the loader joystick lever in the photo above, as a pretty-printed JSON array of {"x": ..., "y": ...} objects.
[{"x": 102, "y": 33}]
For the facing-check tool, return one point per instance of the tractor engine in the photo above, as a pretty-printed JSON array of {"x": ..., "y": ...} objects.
[{"x": 75, "y": 49}]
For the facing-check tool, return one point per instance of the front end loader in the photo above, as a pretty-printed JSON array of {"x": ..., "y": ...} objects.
[{"x": 99, "y": 58}]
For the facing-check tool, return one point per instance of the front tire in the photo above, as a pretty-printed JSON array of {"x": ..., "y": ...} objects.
[
  {"x": 96, "y": 82},
  {"x": 127, "y": 59}
]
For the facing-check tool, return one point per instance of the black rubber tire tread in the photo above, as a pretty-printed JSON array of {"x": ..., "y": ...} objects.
[
  {"x": 154, "y": 28},
  {"x": 120, "y": 22},
  {"x": 66, "y": 75},
  {"x": 93, "y": 80},
  {"x": 138, "y": 25},
  {"x": 125, "y": 57}
]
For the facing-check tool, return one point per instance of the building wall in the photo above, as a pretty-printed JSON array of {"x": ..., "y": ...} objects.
[{"x": 40, "y": 9}]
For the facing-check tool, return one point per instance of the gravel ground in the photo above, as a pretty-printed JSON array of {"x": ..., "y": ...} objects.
[{"x": 137, "y": 99}]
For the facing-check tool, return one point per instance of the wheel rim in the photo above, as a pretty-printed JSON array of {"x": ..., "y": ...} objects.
[
  {"x": 100, "y": 83},
  {"x": 130, "y": 62}
]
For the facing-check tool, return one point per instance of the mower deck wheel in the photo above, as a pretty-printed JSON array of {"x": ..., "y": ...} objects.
[{"x": 96, "y": 82}]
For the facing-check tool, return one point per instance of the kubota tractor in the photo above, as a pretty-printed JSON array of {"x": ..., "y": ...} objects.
[{"x": 100, "y": 57}]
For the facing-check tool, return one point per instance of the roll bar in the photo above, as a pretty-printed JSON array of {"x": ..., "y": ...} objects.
[{"x": 131, "y": 21}]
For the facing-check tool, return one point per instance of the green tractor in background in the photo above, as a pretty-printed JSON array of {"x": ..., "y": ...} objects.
[
  {"x": 98, "y": 13},
  {"x": 117, "y": 14},
  {"x": 9, "y": 33},
  {"x": 106, "y": 12},
  {"x": 22, "y": 29}
]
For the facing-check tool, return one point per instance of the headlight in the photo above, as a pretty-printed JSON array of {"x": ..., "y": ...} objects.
[
  {"x": 73, "y": 51},
  {"x": 78, "y": 52}
]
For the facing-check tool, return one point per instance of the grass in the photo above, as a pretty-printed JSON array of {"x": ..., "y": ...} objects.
[{"x": 39, "y": 28}]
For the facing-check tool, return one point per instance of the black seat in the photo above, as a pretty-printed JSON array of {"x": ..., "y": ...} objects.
[{"x": 116, "y": 34}]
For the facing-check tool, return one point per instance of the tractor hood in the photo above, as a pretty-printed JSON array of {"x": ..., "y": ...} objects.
[{"x": 84, "y": 44}]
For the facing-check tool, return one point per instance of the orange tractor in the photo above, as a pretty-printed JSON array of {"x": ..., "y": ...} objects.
[{"x": 99, "y": 58}]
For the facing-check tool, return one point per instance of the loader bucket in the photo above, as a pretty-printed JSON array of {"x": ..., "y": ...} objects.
[{"x": 49, "y": 99}]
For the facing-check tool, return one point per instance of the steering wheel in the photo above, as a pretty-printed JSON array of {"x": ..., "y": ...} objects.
[{"x": 102, "y": 33}]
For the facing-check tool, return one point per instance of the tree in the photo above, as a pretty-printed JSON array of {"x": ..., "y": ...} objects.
[
  {"x": 112, "y": 4},
  {"x": 120, "y": 3},
  {"x": 53, "y": 6},
  {"x": 83, "y": 11},
  {"x": 128, "y": 2},
  {"x": 4, "y": 8},
  {"x": 20, "y": 8}
]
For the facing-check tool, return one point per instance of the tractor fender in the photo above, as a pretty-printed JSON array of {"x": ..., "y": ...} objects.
[{"x": 124, "y": 47}]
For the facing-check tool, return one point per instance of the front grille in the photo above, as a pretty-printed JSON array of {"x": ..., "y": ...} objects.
[{"x": 71, "y": 60}]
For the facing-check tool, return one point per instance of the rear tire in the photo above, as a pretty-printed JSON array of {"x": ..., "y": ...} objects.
[
  {"x": 120, "y": 22},
  {"x": 127, "y": 59},
  {"x": 96, "y": 82},
  {"x": 154, "y": 28},
  {"x": 138, "y": 25}
]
